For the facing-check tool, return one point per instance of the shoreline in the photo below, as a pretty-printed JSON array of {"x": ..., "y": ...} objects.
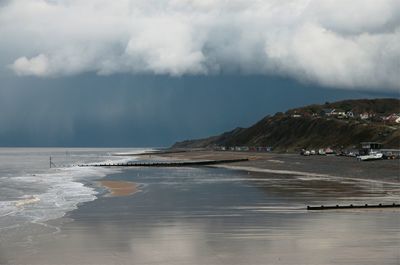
[
  {"x": 193, "y": 206},
  {"x": 300, "y": 173},
  {"x": 346, "y": 168}
]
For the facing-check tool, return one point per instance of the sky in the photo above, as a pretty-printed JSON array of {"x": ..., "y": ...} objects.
[{"x": 152, "y": 72}]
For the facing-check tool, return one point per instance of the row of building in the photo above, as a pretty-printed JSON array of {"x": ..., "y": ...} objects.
[
  {"x": 365, "y": 148},
  {"x": 341, "y": 114},
  {"x": 244, "y": 148}
]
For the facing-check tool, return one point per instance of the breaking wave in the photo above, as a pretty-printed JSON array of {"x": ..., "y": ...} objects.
[{"x": 49, "y": 194}]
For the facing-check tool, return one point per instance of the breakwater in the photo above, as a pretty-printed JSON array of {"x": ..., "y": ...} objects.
[
  {"x": 166, "y": 164},
  {"x": 351, "y": 206}
]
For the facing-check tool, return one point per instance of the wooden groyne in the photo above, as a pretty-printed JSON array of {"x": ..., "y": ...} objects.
[
  {"x": 351, "y": 206},
  {"x": 152, "y": 153},
  {"x": 167, "y": 164}
]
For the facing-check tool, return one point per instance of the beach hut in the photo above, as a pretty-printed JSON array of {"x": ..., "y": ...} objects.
[{"x": 368, "y": 147}]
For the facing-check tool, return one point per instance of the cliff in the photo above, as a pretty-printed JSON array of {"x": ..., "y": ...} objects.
[{"x": 342, "y": 124}]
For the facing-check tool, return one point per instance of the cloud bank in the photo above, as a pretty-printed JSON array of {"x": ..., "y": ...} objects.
[{"x": 334, "y": 43}]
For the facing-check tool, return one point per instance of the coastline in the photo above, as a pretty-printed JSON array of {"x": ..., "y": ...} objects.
[
  {"x": 230, "y": 206},
  {"x": 384, "y": 171}
]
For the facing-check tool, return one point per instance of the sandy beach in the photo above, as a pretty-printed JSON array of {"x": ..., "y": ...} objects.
[
  {"x": 295, "y": 164},
  {"x": 251, "y": 212},
  {"x": 120, "y": 188}
]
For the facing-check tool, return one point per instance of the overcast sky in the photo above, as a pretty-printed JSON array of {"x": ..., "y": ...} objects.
[{"x": 150, "y": 72}]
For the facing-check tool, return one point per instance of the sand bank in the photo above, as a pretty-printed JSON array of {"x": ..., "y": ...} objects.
[
  {"x": 120, "y": 188},
  {"x": 301, "y": 173},
  {"x": 30, "y": 200}
]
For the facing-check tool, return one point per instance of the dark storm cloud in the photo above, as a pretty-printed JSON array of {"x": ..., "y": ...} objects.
[
  {"x": 122, "y": 110},
  {"x": 336, "y": 43}
]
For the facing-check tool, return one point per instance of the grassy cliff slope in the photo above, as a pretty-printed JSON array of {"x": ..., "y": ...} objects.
[{"x": 306, "y": 127}]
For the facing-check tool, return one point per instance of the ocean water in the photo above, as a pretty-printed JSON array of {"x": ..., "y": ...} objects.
[{"x": 32, "y": 192}]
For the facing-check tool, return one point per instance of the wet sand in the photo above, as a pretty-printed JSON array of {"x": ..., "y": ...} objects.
[
  {"x": 120, "y": 188},
  {"x": 254, "y": 214},
  {"x": 335, "y": 166}
]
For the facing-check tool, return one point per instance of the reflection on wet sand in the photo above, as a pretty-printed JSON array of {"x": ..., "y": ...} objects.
[
  {"x": 314, "y": 239},
  {"x": 214, "y": 216}
]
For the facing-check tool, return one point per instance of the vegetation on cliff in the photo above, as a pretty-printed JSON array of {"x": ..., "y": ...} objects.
[{"x": 342, "y": 124}]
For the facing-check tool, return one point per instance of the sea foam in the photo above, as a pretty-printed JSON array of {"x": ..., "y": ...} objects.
[{"x": 51, "y": 193}]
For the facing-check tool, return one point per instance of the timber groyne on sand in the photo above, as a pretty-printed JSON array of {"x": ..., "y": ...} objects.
[
  {"x": 166, "y": 164},
  {"x": 351, "y": 206}
]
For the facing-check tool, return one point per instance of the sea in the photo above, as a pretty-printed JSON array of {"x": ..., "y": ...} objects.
[{"x": 34, "y": 189}]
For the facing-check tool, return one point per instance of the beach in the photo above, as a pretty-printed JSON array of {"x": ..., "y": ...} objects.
[
  {"x": 251, "y": 212},
  {"x": 199, "y": 132},
  {"x": 334, "y": 166},
  {"x": 119, "y": 188}
]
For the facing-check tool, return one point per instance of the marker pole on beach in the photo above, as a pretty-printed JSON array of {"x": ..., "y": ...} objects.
[{"x": 51, "y": 163}]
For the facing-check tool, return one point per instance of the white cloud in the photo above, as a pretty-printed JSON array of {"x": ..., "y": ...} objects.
[
  {"x": 166, "y": 45},
  {"x": 38, "y": 65},
  {"x": 338, "y": 43}
]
